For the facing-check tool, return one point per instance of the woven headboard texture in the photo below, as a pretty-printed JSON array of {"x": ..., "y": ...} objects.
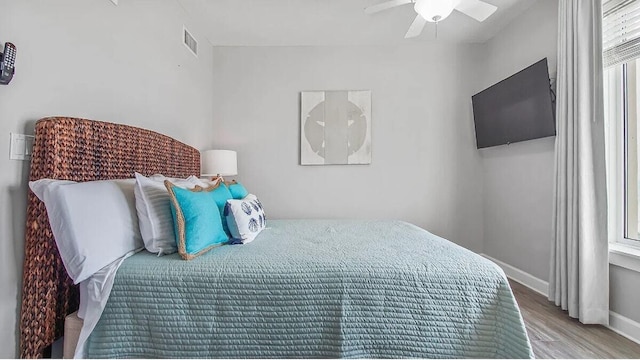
[{"x": 80, "y": 150}]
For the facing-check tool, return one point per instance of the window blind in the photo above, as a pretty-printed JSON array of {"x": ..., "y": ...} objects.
[{"x": 620, "y": 31}]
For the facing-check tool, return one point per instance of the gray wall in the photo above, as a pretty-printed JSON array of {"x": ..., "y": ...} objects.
[
  {"x": 91, "y": 59},
  {"x": 518, "y": 178},
  {"x": 425, "y": 168},
  {"x": 624, "y": 293}
]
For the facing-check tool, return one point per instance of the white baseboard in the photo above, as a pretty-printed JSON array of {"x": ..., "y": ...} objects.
[
  {"x": 524, "y": 278},
  {"x": 617, "y": 323},
  {"x": 624, "y": 326}
]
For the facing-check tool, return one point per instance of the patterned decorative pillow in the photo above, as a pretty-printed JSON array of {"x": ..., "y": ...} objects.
[
  {"x": 245, "y": 218},
  {"x": 197, "y": 221}
]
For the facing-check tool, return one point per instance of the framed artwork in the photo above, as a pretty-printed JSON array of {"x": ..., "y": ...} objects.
[{"x": 335, "y": 127}]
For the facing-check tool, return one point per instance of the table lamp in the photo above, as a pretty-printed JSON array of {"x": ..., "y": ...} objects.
[{"x": 218, "y": 163}]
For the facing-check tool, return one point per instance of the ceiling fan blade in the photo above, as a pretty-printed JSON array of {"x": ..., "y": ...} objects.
[
  {"x": 476, "y": 9},
  {"x": 385, "y": 5},
  {"x": 416, "y": 27}
]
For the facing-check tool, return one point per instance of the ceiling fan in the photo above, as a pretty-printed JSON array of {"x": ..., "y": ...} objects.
[{"x": 436, "y": 11}]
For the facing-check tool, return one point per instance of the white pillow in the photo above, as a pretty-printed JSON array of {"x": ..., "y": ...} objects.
[
  {"x": 245, "y": 218},
  {"x": 94, "y": 223},
  {"x": 154, "y": 211}
]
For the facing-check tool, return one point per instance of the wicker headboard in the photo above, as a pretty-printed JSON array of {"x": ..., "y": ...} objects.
[{"x": 80, "y": 150}]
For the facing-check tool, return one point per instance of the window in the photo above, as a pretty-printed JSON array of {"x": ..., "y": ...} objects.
[
  {"x": 621, "y": 112},
  {"x": 621, "y": 45}
]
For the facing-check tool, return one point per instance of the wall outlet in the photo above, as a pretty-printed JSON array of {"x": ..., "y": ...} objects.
[{"x": 21, "y": 146}]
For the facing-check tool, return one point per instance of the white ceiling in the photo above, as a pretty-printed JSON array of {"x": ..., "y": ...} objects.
[{"x": 334, "y": 22}]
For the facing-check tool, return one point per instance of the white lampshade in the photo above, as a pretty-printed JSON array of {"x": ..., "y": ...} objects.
[
  {"x": 435, "y": 10},
  {"x": 218, "y": 163}
]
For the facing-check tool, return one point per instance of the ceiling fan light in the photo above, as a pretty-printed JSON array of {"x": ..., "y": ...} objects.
[{"x": 434, "y": 10}]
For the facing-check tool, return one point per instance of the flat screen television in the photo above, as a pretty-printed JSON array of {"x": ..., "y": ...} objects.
[{"x": 517, "y": 108}]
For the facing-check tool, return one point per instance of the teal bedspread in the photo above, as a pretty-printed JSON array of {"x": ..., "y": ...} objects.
[{"x": 315, "y": 288}]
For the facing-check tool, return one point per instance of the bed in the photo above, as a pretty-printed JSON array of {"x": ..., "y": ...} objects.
[{"x": 303, "y": 288}]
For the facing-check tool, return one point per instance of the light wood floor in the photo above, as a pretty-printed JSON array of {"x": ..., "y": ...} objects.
[{"x": 554, "y": 334}]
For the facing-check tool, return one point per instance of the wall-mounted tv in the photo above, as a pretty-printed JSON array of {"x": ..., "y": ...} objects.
[{"x": 517, "y": 108}]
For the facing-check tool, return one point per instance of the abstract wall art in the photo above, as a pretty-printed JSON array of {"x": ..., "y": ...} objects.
[{"x": 335, "y": 127}]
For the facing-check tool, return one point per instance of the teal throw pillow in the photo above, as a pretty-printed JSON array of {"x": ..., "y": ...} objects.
[
  {"x": 237, "y": 191},
  {"x": 197, "y": 221},
  {"x": 221, "y": 194}
]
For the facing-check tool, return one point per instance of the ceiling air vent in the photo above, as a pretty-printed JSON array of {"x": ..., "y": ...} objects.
[{"x": 189, "y": 41}]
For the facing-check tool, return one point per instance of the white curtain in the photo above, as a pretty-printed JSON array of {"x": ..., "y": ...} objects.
[{"x": 579, "y": 278}]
